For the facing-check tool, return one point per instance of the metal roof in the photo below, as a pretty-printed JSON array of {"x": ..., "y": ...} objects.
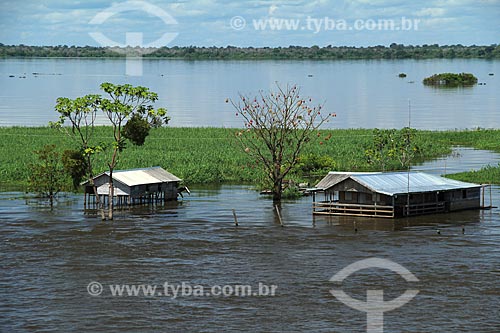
[
  {"x": 392, "y": 183},
  {"x": 144, "y": 176},
  {"x": 104, "y": 190},
  {"x": 134, "y": 177}
]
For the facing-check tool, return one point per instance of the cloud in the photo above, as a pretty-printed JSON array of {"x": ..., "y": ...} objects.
[
  {"x": 206, "y": 22},
  {"x": 431, "y": 12}
]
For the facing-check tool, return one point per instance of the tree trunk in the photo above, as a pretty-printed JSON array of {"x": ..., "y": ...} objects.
[
  {"x": 111, "y": 194},
  {"x": 94, "y": 188},
  {"x": 277, "y": 189},
  {"x": 97, "y": 198}
]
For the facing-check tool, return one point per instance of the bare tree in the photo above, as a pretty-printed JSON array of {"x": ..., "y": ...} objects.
[{"x": 278, "y": 124}]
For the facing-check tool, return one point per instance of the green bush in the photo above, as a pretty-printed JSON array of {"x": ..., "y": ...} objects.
[{"x": 451, "y": 80}]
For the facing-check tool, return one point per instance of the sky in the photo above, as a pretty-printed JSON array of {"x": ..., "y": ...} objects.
[{"x": 257, "y": 23}]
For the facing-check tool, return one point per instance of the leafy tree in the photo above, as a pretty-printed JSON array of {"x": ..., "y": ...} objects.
[
  {"x": 81, "y": 114},
  {"x": 124, "y": 103},
  {"x": 136, "y": 130},
  {"x": 450, "y": 80},
  {"x": 277, "y": 127},
  {"x": 394, "y": 51},
  {"x": 127, "y": 102},
  {"x": 392, "y": 147},
  {"x": 76, "y": 165},
  {"x": 47, "y": 176}
]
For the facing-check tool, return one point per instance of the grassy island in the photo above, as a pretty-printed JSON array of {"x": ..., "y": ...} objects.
[{"x": 451, "y": 80}]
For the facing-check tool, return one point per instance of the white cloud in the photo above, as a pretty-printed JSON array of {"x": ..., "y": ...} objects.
[{"x": 433, "y": 12}]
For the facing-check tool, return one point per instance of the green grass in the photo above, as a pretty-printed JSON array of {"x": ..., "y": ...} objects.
[
  {"x": 486, "y": 139},
  {"x": 486, "y": 175},
  {"x": 211, "y": 155}
]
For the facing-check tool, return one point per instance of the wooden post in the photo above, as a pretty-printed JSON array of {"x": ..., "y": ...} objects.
[
  {"x": 279, "y": 215},
  {"x": 235, "y": 218},
  {"x": 491, "y": 201},
  {"x": 483, "y": 188}
]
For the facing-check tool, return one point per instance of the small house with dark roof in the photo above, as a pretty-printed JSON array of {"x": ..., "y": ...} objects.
[
  {"x": 392, "y": 194},
  {"x": 135, "y": 186}
]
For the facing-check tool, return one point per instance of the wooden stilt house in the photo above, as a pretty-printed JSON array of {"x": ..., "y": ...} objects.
[
  {"x": 135, "y": 186},
  {"x": 392, "y": 194}
]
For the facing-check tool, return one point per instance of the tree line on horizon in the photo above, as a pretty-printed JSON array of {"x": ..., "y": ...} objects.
[{"x": 394, "y": 51}]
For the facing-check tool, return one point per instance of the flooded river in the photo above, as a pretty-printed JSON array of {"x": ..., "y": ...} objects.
[
  {"x": 52, "y": 259},
  {"x": 363, "y": 93}
]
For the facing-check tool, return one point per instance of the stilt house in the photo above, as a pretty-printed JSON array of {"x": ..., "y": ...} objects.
[{"x": 392, "y": 194}]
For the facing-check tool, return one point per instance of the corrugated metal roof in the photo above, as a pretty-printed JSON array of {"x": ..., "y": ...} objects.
[
  {"x": 144, "y": 176},
  {"x": 104, "y": 190},
  {"x": 391, "y": 183},
  {"x": 162, "y": 174},
  {"x": 135, "y": 177}
]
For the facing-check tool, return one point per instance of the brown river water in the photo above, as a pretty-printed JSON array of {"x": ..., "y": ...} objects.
[{"x": 50, "y": 257}]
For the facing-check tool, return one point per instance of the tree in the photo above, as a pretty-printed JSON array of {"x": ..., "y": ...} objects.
[
  {"x": 75, "y": 165},
  {"x": 81, "y": 114},
  {"x": 277, "y": 127},
  {"x": 392, "y": 147},
  {"x": 127, "y": 102},
  {"x": 378, "y": 154},
  {"x": 47, "y": 176}
]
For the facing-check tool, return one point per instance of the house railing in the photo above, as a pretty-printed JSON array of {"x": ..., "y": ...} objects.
[
  {"x": 424, "y": 208},
  {"x": 337, "y": 208}
]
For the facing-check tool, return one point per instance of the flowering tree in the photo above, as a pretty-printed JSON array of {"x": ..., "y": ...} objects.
[{"x": 278, "y": 124}]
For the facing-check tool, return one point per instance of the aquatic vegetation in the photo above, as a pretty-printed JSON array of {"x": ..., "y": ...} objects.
[
  {"x": 487, "y": 175},
  {"x": 450, "y": 80},
  {"x": 212, "y": 155}
]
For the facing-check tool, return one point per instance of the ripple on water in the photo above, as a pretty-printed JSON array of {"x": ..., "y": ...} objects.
[{"x": 49, "y": 258}]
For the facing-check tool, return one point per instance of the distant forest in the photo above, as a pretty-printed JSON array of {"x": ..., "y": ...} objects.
[{"x": 394, "y": 51}]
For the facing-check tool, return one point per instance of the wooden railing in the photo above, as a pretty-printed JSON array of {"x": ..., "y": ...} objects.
[
  {"x": 424, "y": 208},
  {"x": 336, "y": 208}
]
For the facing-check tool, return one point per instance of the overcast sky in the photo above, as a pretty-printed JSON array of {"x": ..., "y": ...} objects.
[{"x": 247, "y": 23}]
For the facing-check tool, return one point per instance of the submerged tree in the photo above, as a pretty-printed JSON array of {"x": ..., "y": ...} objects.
[
  {"x": 81, "y": 114},
  {"x": 124, "y": 103},
  {"x": 47, "y": 175},
  {"x": 75, "y": 165},
  {"x": 128, "y": 103},
  {"x": 278, "y": 124}
]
